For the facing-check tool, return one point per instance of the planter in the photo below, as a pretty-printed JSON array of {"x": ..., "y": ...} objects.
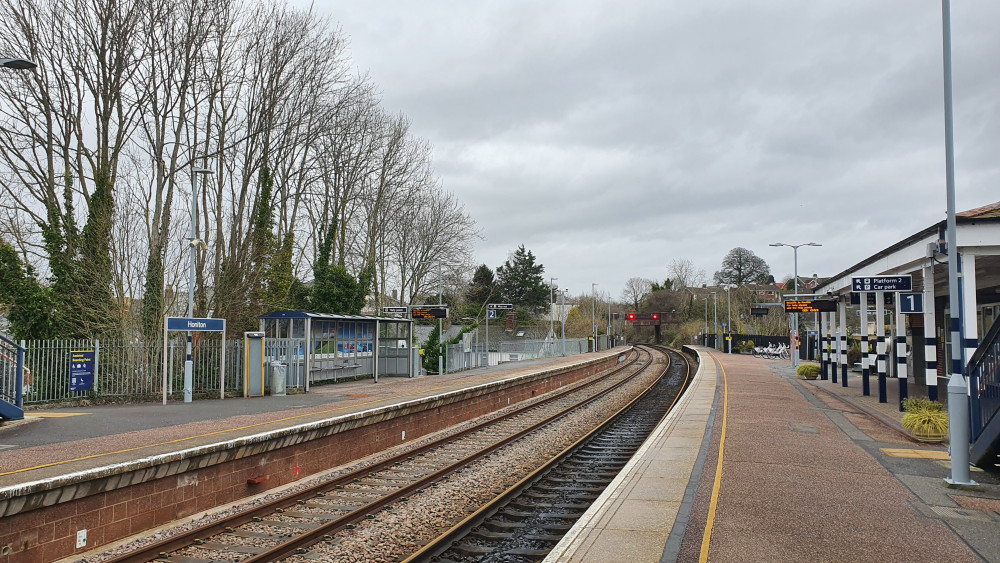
[
  {"x": 810, "y": 376},
  {"x": 929, "y": 438}
]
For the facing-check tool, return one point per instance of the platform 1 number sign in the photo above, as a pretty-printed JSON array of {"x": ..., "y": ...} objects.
[{"x": 911, "y": 303}]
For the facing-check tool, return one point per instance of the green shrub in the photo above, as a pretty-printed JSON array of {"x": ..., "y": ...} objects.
[
  {"x": 926, "y": 422},
  {"x": 915, "y": 404},
  {"x": 807, "y": 371},
  {"x": 745, "y": 347}
]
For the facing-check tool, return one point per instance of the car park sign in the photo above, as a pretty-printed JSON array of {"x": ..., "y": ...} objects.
[{"x": 882, "y": 283}]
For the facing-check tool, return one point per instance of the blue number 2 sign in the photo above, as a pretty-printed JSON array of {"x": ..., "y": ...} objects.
[{"x": 911, "y": 303}]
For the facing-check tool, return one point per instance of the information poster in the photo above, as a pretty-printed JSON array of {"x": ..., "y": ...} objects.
[{"x": 81, "y": 370}]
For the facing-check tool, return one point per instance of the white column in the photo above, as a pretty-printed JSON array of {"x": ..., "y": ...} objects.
[
  {"x": 971, "y": 330},
  {"x": 930, "y": 334}
]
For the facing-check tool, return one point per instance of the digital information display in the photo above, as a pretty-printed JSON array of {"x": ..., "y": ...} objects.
[
  {"x": 429, "y": 312},
  {"x": 816, "y": 306}
]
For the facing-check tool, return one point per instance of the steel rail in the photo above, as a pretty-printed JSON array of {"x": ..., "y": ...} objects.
[
  {"x": 445, "y": 541},
  {"x": 190, "y": 537},
  {"x": 299, "y": 543}
]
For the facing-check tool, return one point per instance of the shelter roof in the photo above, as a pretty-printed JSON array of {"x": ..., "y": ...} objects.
[{"x": 328, "y": 316}]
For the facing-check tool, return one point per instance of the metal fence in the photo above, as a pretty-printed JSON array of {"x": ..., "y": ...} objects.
[
  {"x": 461, "y": 356},
  {"x": 129, "y": 369}
]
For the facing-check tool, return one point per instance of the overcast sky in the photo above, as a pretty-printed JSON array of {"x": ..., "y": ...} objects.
[{"x": 612, "y": 137}]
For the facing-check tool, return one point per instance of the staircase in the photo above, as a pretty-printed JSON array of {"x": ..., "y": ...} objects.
[
  {"x": 984, "y": 381},
  {"x": 11, "y": 380}
]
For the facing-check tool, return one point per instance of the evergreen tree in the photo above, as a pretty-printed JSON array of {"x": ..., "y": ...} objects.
[
  {"x": 27, "y": 302},
  {"x": 520, "y": 282},
  {"x": 482, "y": 289},
  {"x": 334, "y": 289},
  {"x": 432, "y": 350}
]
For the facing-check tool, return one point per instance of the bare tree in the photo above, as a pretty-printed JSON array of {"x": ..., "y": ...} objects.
[
  {"x": 635, "y": 292},
  {"x": 682, "y": 274}
]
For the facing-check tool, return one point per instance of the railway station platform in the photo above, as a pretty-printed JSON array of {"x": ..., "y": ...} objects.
[
  {"x": 757, "y": 465},
  {"x": 114, "y": 470}
]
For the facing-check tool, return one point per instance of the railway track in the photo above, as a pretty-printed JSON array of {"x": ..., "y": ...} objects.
[
  {"x": 288, "y": 526},
  {"x": 531, "y": 517}
]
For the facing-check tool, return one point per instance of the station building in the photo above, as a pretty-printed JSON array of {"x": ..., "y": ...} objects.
[{"x": 924, "y": 337}]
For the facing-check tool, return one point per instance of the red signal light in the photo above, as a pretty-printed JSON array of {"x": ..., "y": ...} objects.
[
  {"x": 631, "y": 316},
  {"x": 655, "y": 316}
]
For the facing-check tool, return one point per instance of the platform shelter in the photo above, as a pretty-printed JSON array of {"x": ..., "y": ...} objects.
[
  {"x": 924, "y": 336},
  {"x": 320, "y": 347}
]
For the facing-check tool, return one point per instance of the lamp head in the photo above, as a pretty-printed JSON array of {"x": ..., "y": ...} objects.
[{"x": 17, "y": 64}]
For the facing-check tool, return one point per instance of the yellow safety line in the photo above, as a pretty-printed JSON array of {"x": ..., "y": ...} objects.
[
  {"x": 916, "y": 454},
  {"x": 707, "y": 537},
  {"x": 43, "y": 466}
]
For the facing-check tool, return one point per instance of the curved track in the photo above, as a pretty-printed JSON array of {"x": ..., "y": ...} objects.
[
  {"x": 528, "y": 520},
  {"x": 289, "y": 525}
]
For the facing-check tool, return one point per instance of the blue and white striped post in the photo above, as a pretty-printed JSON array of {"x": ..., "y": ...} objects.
[
  {"x": 842, "y": 350},
  {"x": 930, "y": 334},
  {"x": 824, "y": 361},
  {"x": 880, "y": 349},
  {"x": 866, "y": 389},
  {"x": 901, "y": 371},
  {"x": 831, "y": 345},
  {"x": 835, "y": 346}
]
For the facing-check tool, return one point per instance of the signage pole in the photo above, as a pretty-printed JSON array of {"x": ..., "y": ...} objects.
[
  {"x": 164, "y": 360},
  {"x": 487, "y": 338}
]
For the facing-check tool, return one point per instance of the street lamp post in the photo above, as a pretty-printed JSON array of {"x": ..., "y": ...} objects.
[
  {"x": 715, "y": 312},
  {"x": 552, "y": 316},
  {"x": 593, "y": 316},
  {"x": 729, "y": 319},
  {"x": 193, "y": 242},
  {"x": 562, "y": 318},
  {"x": 795, "y": 316},
  {"x": 706, "y": 319},
  {"x": 958, "y": 386}
]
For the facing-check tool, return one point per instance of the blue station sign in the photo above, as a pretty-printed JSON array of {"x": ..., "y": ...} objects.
[
  {"x": 196, "y": 325},
  {"x": 882, "y": 283}
]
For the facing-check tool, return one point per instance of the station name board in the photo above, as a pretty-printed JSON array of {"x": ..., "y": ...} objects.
[{"x": 811, "y": 306}]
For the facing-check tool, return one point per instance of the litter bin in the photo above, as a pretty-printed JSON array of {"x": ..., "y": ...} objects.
[{"x": 277, "y": 379}]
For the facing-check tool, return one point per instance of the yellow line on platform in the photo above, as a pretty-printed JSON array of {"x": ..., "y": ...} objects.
[
  {"x": 55, "y": 414},
  {"x": 916, "y": 454},
  {"x": 706, "y": 539}
]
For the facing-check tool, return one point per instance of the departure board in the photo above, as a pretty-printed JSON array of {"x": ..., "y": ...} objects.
[
  {"x": 814, "y": 306},
  {"x": 429, "y": 312}
]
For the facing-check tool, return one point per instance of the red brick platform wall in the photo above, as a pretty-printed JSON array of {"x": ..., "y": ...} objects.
[{"x": 116, "y": 506}]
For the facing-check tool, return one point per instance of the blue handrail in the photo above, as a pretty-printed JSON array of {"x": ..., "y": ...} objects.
[
  {"x": 7, "y": 344},
  {"x": 984, "y": 381}
]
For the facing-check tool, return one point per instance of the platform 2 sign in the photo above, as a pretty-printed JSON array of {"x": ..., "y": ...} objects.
[
  {"x": 81, "y": 370},
  {"x": 882, "y": 283},
  {"x": 429, "y": 312},
  {"x": 811, "y": 306}
]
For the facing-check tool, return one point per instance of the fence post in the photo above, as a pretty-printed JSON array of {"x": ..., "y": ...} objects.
[{"x": 97, "y": 365}]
